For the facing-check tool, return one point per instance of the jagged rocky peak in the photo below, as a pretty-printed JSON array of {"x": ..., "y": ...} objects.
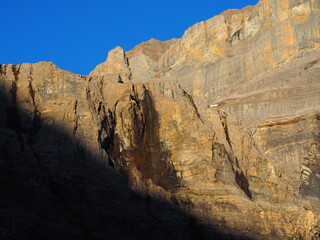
[
  {"x": 116, "y": 67},
  {"x": 211, "y": 136}
]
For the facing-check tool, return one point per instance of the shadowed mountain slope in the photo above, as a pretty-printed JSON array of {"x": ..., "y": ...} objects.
[{"x": 211, "y": 136}]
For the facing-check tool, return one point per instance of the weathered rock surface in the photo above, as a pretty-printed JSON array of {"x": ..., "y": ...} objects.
[{"x": 213, "y": 135}]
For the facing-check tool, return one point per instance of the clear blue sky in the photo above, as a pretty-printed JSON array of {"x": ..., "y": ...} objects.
[{"x": 77, "y": 35}]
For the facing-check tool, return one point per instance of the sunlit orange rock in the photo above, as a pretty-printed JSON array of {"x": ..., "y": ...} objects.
[{"x": 222, "y": 123}]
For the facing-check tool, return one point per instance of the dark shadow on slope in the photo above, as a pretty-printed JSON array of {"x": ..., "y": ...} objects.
[{"x": 53, "y": 188}]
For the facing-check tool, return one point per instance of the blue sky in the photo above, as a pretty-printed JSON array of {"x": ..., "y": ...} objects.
[{"x": 77, "y": 35}]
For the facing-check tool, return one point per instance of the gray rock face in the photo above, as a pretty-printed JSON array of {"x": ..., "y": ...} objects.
[{"x": 213, "y": 135}]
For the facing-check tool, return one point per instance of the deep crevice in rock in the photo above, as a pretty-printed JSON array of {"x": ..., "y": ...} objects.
[
  {"x": 190, "y": 99},
  {"x": 223, "y": 118},
  {"x": 243, "y": 183},
  {"x": 106, "y": 136},
  {"x": 75, "y": 109}
]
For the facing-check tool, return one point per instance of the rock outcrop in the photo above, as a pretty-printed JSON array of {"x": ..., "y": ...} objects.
[{"x": 213, "y": 135}]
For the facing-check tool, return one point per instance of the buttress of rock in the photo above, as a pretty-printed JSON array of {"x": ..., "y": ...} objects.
[{"x": 115, "y": 68}]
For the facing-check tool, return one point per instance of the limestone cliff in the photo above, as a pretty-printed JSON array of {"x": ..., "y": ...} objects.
[{"x": 215, "y": 135}]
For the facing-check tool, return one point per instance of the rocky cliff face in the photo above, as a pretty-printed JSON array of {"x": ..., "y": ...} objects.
[{"x": 213, "y": 135}]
